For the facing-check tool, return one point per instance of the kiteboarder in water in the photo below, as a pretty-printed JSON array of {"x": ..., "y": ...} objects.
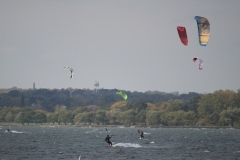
[
  {"x": 107, "y": 139},
  {"x": 141, "y": 134},
  {"x": 8, "y": 130}
]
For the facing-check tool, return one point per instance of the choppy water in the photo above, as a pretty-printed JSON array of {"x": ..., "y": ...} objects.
[{"x": 68, "y": 143}]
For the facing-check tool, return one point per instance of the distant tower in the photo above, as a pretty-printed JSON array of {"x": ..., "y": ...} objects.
[
  {"x": 22, "y": 101},
  {"x": 33, "y": 85},
  {"x": 96, "y": 86}
]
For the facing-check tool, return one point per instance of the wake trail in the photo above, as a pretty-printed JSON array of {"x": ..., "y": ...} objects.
[{"x": 134, "y": 145}]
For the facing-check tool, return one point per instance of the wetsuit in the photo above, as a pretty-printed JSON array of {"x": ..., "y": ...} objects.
[
  {"x": 141, "y": 134},
  {"x": 107, "y": 139}
]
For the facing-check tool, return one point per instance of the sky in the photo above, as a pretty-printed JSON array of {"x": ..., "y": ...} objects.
[{"x": 128, "y": 45}]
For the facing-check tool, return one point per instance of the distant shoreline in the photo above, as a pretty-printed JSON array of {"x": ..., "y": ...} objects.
[{"x": 109, "y": 126}]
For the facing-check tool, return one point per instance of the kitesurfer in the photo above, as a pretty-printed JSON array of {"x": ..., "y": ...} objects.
[
  {"x": 8, "y": 130},
  {"x": 141, "y": 134},
  {"x": 107, "y": 139}
]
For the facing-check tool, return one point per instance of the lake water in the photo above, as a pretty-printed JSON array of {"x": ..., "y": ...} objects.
[{"x": 74, "y": 143}]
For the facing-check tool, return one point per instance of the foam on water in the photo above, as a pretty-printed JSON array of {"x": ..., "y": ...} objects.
[
  {"x": 134, "y": 145},
  {"x": 89, "y": 131},
  {"x": 12, "y": 131},
  {"x": 16, "y": 132}
]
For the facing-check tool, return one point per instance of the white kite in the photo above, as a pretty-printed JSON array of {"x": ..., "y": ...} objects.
[
  {"x": 200, "y": 62},
  {"x": 71, "y": 71}
]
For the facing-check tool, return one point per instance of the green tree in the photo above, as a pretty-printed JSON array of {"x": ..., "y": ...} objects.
[
  {"x": 53, "y": 118},
  {"x": 138, "y": 106},
  {"x": 224, "y": 99},
  {"x": 3, "y": 113},
  {"x": 141, "y": 117},
  {"x": 71, "y": 116},
  {"x": 28, "y": 117},
  {"x": 207, "y": 108},
  {"x": 19, "y": 118},
  {"x": 9, "y": 117},
  {"x": 178, "y": 117},
  {"x": 153, "y": 117},
  {"x": 14, "y": 93},
  {"x": 62, "y": 117},
  {"x": 193, "y": 105},
  {"x": 112, "y": 115},
  {"x": 211, "y": 105},
  {"x": 188, "y": 118},
  {"x": 100, "y": 117},
  {"x": 127, "y": 117},
  {"x": 167, "y": 119},
  {"x": 231, "y": 116},
  {"x": 90, "y": 117},
  {"x": 85, "y": 117},
  {"x": 178, "y": 105},
  {"x": 78, "y": 118},
  {"x": 40, "y": 118}
]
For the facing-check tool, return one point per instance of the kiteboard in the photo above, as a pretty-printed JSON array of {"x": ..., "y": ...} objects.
[
  {"x": 111, "y": 145},
  {"x": 141, "y": 138}
]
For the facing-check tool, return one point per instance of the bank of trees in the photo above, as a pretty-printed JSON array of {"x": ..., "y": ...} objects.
[
  {"x": 221, "y": 108},
  {"x": 47, "y": 99}
]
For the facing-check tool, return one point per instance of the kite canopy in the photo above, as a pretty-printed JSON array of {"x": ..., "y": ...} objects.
[
  {"x": 71, "y": 71},
  {"x": 200, "y": 62},
  {"x": 203, "y": 30},
  {"x": 124, "y": 96},
  {"x": 182, "y": 35}
]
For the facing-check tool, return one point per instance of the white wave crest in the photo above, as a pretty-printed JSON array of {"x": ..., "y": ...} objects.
[
  {"x": 127, "y": 145},
  {"x": 13, "y": 131}
]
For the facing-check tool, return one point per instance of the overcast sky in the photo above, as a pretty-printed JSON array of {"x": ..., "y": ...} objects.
[{"x": 129, "y": 45}]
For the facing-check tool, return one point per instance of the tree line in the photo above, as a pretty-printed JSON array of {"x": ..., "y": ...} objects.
[{"x": 84, "y": 107}]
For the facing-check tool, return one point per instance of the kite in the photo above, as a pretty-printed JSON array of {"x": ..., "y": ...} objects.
[
  {"x": 200, "y": 62},
  {"x": 203, "y": 30},
  {"x": 182, "y": 35},
  {"x": 124, "y": 96},
  {"x": 71, "y": 71}
]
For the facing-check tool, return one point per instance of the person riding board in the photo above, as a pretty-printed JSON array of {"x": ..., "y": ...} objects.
[
  {"x": 107, "y": 139},
  {"x": 141, "y": 134}
]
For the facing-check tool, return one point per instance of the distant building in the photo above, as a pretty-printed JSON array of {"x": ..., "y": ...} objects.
[
  {"x": 14, "y": 88},
  {"x": 96, "y": 86},
  {"x": 33, "y": 85}
]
